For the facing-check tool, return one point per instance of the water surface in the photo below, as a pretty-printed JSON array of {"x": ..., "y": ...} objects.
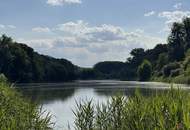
[{"x": 60, "y": 98}]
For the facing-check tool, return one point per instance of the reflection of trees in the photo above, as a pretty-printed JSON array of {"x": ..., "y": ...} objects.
[
  {"x": 46, "y": 95},
  {"x": 128, "y": 91}
]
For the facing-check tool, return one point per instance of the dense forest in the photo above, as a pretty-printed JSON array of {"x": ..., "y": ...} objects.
[
  {"x": 165, "y": 62},
  {"x": 20, "y": 63}
]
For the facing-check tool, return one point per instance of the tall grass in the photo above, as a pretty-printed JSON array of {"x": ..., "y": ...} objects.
[
  {"x": 17, "y": 113},
  {"x": 167, "y": 111}
]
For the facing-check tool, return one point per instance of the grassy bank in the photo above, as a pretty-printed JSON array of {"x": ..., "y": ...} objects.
[
  {"x": 166, "y": 111},
  {"x": 17, "y": 113},
  {"x": 181, "y": 79}
]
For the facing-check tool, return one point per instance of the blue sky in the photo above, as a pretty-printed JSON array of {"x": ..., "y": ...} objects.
[{"x": 89, "y": 31}]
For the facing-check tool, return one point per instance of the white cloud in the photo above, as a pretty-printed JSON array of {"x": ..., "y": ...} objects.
[
  {"x": 173, "y": 16},
  {"x": 149, "y": 13},
  {"x": 178, "y": 6},
  {"x": 139, "y": 30},
  {"x": 85, "y": 32},
  {"x": 62, "y": 2},
  {"x": 2, "y": 26},
  {"x": 11, "y": 26},
  {"x": 86, "y": 45},
  {"x": 41, "y": 29}
]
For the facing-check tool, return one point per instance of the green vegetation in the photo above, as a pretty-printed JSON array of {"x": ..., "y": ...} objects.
[
  {"x": 145, "y": 71},
  {"x": 170, "y": 62},
  {"x": 166, "y": 111},
  {"x": 19, "y": 114},
  {"x": 21, "y": 63}
]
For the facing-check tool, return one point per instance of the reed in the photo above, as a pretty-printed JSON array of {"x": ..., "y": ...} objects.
[
  {"x": 17, "y": 113},
  {"x": 166, "y": 111}
]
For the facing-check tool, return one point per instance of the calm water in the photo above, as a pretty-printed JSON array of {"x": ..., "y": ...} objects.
[{"x": 60, "y": 98}]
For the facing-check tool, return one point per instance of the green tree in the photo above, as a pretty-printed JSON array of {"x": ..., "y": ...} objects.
[
  {"x": 176, "y": 42},
  {"x": 145, "y": 71},
  {"x": 186, "y": 23},
  {"x": 162, "y": 60}
]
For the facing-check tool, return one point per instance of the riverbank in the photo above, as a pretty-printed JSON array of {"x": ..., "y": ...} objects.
[
  {"x": 17, "y": 113},
  {"x": 181, "y": 79}
]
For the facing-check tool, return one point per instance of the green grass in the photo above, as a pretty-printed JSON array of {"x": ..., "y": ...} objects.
[
  {"x": 180, "y": 79},
  {"x": 17, "y": 113},
  {"x": 167, "y": 111}
]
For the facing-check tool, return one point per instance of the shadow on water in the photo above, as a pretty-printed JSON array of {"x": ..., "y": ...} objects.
[{"x": 45, "y": 95}]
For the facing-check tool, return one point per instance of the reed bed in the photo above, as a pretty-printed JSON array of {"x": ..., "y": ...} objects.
[
  {"x": 169, "y": 110},
  {"x": 16, "y": 113}
]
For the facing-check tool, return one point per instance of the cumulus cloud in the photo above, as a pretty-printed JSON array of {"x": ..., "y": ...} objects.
[
  {"x": 85, "y": 44},
  {"x": 41, "y": 29},
  {"x": 62, "y": 2},
  {"x": 85, "y": 32},
  {"x": 173, "y": 16},
  {"x": 178, "y": 6},
  {"x": 149, "y": 13}
]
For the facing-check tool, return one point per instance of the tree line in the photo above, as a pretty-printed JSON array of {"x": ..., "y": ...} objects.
[
  {"x": 20, "y": 63},
  {"x": 170, "y": 61}
]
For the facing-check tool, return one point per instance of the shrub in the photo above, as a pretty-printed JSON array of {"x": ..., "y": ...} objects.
[
  {"x": 186, "y": 62},
  {"x": 176, "y": 72},
  {"x": 3, "y": 78},
  {"x": 169, "y": 67},
  {"x": 144, "y": 71}
]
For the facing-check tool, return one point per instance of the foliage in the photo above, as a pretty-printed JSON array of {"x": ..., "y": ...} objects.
[
  {"x": 145, "y": 71},
  {"x": 87, "y": 73},
  {"x": 169, "y": 67},
  {"x": 162, "y": 60},
  {"x": 109, "y": 69},
  {"x": 3, "y": 78},
  {"x": 21, "y": 63},
  {"x": 166, "y": 111},
  {"x": 19, "y": 114}
]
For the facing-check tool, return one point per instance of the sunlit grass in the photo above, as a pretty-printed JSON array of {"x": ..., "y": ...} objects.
[
  {"x": 16, "y": 113},
  {"x": 167, "y": 111}
]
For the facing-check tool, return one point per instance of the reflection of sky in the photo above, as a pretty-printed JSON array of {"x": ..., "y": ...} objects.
[{"x": 62, "y": 110}]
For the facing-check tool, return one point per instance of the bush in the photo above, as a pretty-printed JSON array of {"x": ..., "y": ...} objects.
[
  {"x": 167, "y": 111},
  {"x": 144, "y": 71},
  {"x": 186, "y": 62},
  {"x": 169, "y": 67},
  {"x": 176, "y": 72},
  {"x": 3, "y": 78}
]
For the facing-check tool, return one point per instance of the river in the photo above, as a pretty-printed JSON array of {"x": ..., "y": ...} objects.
[{"x": 60, "y": 98}]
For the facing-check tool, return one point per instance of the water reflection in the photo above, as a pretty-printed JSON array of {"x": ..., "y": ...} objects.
[
  {"x": 129, "y": 91},
  {"x": 60, "y": 98},
  {"x": 47, "y": 95}
]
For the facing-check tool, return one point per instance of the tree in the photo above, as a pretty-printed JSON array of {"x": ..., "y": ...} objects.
[
  {"x": 176, "y": 42},
  {"x": 162, "y": 60},
  {"x": 145, "y": 71},
  {"x": 186, "y": 23},
  {"x": 137, "y": 57},
  {"x": 4, "y": 39},
  {"x": 167, "y": 69}
]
